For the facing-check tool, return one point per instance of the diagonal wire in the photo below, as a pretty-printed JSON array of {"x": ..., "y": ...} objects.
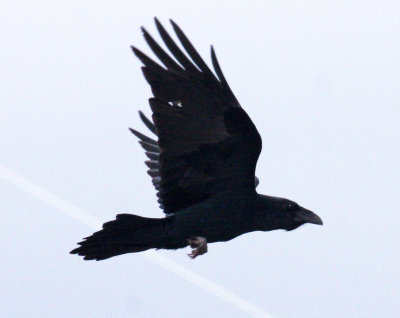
[{"x": 174, "y": 267}]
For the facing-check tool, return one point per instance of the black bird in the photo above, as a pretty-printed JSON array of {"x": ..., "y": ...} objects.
[{"x": 202, "y": 163}]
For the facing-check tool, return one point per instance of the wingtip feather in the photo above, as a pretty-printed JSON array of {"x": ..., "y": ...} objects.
[{"x": 149, "y": 124}]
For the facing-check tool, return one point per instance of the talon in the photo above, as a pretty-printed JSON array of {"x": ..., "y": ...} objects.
[{"x": 199, "y": 245}]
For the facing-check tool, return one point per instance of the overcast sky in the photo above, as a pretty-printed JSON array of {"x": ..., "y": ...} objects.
[{"x": 319, "y": 79}]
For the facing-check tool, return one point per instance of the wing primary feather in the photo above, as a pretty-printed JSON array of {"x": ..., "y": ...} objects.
[
  {"x": 148, "y": 146},
  {"x": 153, "y": 155},
  {"x": 145, "y": 59},
  {"x": 218, "y": 70},
  {"x": 156, "y": 180},
  {"x": 152, "y": 164},
  {"x": 143, "y": 137},
  {"x": 174, "y": 49},
  {"x": 149, "y": 124},
  {"x": 160, "y": 53},
  {"x": 194, "y": 55},
  {"x": 153, "y": 173}
]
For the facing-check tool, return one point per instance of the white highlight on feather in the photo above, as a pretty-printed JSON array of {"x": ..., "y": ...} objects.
[{"x": 172, "y": 266}]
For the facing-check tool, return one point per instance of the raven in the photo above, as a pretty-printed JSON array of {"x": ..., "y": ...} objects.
[{"x": 202, "y": 163}]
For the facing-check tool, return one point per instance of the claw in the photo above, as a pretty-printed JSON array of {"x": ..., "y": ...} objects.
[{"x": 199, "y": 245}]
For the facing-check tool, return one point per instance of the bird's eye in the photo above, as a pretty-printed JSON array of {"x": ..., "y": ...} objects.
[{"x": 292, "y": 207}]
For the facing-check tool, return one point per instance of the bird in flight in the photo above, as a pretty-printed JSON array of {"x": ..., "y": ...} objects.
[{"x": 202, "y": 162}]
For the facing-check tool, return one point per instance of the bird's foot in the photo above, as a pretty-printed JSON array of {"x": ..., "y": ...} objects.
[{"x": 199, "y": 245}]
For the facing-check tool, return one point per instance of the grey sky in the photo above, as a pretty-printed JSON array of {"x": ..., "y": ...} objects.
[{"x": 319, "y": 79}]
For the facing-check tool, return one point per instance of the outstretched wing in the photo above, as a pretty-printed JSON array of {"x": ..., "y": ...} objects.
[{"x": 207, "y": 144}]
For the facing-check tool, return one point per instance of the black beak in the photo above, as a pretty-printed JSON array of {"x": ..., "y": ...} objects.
[{"x": 306, "y": 216}]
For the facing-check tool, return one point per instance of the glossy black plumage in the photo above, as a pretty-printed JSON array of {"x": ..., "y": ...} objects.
[{"x": 202, "y": 162}]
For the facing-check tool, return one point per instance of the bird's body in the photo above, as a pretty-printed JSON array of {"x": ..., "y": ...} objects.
[
  {"x": 202, "y": 164},
  {"x": 218, "y": 219}
]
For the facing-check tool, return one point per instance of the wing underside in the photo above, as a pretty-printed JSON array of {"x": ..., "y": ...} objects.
[{"x": 206, "y": 143}]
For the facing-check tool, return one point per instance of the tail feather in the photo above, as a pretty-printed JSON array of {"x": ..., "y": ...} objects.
[{"x": 128, "y": 233}]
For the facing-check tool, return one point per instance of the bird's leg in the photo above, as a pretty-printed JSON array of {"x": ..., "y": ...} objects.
[{"x": 199, "y": 245}]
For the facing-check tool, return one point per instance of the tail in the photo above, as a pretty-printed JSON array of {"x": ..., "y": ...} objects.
[{"x": 127, "y": 234}]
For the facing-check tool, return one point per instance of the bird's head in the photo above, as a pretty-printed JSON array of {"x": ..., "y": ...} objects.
[
  {"x": 286, "y": 214},
  {"x": 297, "y": 216}
]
